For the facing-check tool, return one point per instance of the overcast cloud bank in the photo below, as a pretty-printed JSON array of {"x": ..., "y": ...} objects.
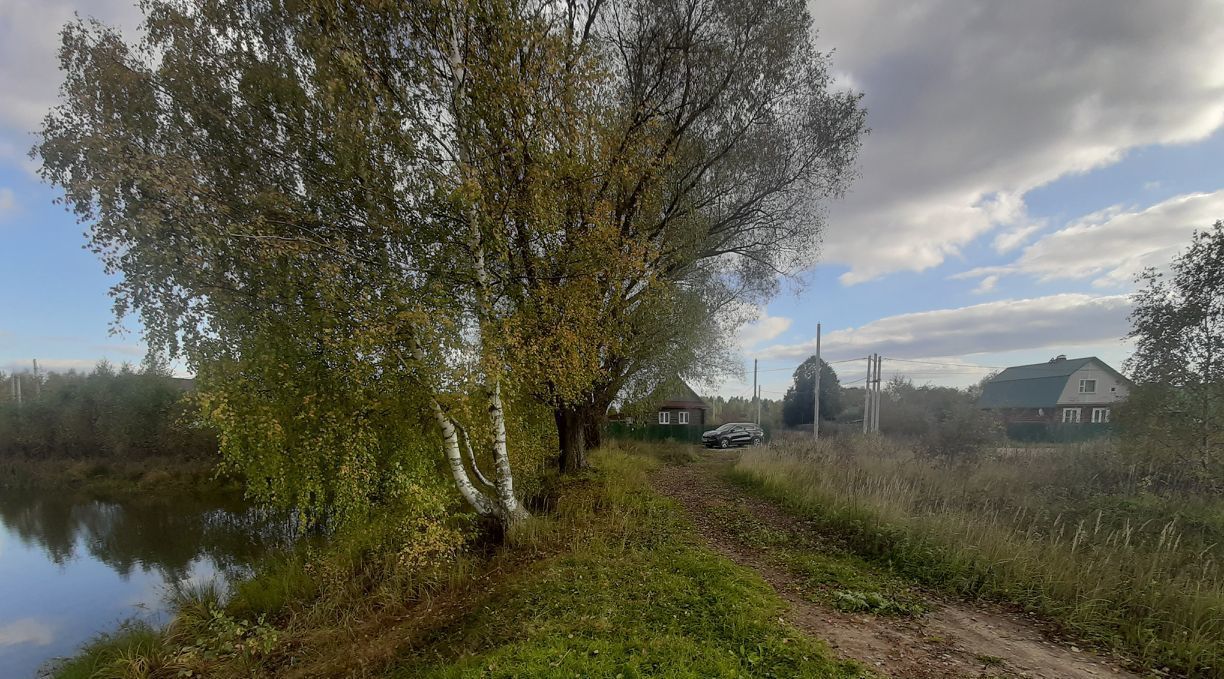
[{"x": 972, "y": 105}]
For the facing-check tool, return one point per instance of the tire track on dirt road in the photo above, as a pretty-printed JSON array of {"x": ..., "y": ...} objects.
[{"x": 953, "y": 639}]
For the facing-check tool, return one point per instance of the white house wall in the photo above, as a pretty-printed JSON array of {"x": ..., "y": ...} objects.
[{"x": 1108, "y": 387}]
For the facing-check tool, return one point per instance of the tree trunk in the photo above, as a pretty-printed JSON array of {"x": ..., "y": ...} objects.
[
  {"x": 592, "y": 431},
  {"x": 512, "y": 510},
  {"x": 571, "y": 434}
]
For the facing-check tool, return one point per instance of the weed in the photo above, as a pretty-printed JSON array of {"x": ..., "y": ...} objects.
[
  {"x": 1069, "y": 531},
  {"x": 989, "y": 660}
]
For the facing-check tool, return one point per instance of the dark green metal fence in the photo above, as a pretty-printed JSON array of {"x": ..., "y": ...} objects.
[
  {"x": 1046, "y": 432},
  {"x": 683, "y": 433}
]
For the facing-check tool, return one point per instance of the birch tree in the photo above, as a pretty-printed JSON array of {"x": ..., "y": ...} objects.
[
  {"x": 298, "y": 232},
  {"x": 1177, "y": 408}
]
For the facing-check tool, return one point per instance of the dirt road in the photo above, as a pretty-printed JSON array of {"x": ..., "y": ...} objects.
[{"x": 950, "y": 639}]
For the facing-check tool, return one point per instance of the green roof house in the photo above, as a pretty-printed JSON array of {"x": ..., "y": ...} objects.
[
  {"x": 679, "y": 404},
  {"x": 1066, "y": 390}
]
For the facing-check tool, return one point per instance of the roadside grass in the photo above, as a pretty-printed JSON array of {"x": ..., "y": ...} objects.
[
  {"x": 610, "y": 581},
  {"x": 1069, "y": 532},
  {"x": 666, "y": 452},
  {"x": 619, "y": 587},
  {"x": 829, "y": 573}
]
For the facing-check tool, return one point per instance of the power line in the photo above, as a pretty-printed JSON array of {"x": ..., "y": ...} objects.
[
  {"x": 846, "y": 360},
  {"x": 962, "y": 365}
]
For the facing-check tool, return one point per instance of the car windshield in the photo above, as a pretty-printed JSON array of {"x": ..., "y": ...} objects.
[{"x": 726, "y": 427}]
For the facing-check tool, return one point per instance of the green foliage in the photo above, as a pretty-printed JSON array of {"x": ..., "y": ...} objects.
[
  {"x": 743, "y": 409},
  {"x": 1176, "y": 411},
  {"x": 797, "y": 405},
  {"x": 332, "y": 437},
  {"x": 946, "y": 421},
  {"x": 104, "y": 414},
  {"x": 1075, "y": 532}
]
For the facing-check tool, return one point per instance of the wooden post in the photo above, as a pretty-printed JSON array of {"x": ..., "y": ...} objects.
[{"x": 755, "y": 395}]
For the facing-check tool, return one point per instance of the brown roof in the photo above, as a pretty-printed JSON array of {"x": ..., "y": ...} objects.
[{"x": 683, "y": 396}]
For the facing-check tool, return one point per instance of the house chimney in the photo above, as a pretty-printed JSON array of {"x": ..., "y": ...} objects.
[{"x": 1060, "y": 357}]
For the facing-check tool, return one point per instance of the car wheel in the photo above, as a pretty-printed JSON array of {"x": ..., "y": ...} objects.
[
  {"x": 724, "y": 443},
  {"x": 756, "y": 440}
]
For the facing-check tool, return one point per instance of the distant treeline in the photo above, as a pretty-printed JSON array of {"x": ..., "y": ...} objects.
[{"x": 107, "y": 412}]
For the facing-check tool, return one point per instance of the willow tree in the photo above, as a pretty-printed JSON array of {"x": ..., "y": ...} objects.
[
  {"x": 636, "y": 171},
  {"x": 659, "y": 190}
]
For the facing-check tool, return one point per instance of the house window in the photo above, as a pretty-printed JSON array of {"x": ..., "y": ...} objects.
[
  {"x": 664, "y": 417},
  {"x": 1071, "y": 415},
  {"x": 683, "y": 417},
  {"x": 1100, "y": 415},
  {"x": 1087, "y": 386}
]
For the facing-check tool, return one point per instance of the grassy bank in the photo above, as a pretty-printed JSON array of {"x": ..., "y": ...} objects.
[
  {"x": 605, "y": 581},
  {"x": 115, "y": 478},
  {"x": 1067, "y": 531}
]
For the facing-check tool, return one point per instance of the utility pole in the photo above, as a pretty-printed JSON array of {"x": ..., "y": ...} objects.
[
  {"x": 875, "y": 411},
  {"x": 37, "y": 381},
  {"x": 17, "y": 387},
  {"x": 867, "y": 394},
  {"x": 755, "y": 394},
  {"x": 816, "y": 390}
]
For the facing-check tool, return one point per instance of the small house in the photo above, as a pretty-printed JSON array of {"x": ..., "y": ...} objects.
[
  {"x": 1062, "y": 390},
  {"x": 680, "y": 405}
]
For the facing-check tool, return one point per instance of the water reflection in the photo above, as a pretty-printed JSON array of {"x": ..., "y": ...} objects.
[{"x": 71, "y": 567}]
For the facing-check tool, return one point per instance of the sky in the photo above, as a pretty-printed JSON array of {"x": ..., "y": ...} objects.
[{"x": 1025, "y": 161}]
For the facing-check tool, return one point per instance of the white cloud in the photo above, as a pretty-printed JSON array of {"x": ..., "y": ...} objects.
[
  {"x": 1055, "y": 321},
  {"x": 972, "y": 105},
  {"x": 26, "y": 631},
  {"x": 988, "y": 284},
  {"x": 29, "y": 66},
  {"x": 1113, "y": 245},
  {"x": 1015, "y": 237},
  {"x": 763, "y": 329}
]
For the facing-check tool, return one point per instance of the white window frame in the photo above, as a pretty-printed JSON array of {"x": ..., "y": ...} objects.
[
  {"x": 664, "y": 417},
  {"x": 1100, "y": 415},
  {"x": 1083, "y": 387},
  {"x": 682, "y": 417},
  {"x": 1067, "y": 417}
]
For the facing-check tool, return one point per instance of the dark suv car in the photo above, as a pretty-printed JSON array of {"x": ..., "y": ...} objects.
[{"x": 734, "y": 434}]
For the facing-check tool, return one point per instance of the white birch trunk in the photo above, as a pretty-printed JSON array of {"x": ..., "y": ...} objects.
[
  {"x": 450, "y": 439},
  {"x": 501, "y": 458},
  {"x": 450, "y": 443},
  {"x": 509, "y": 506},
  {"x": 467, "y": 440}
]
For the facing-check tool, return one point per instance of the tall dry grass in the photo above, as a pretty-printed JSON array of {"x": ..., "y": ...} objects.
[{"x": 1069, "y": 531}]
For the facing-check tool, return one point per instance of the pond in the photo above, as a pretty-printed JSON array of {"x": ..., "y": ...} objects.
[{"x": 72, "y": 567}]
